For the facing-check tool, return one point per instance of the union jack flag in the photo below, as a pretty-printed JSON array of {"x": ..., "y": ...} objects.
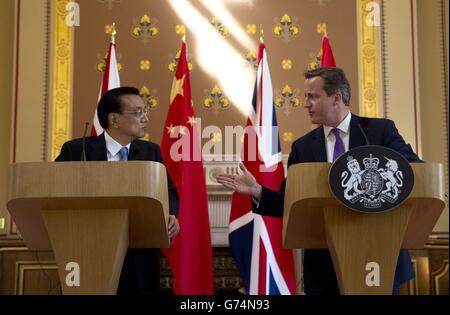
[{"x": 256, "y": 241}]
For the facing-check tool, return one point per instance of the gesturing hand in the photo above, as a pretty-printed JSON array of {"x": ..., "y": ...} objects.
[{"x": 244, "y": 183}]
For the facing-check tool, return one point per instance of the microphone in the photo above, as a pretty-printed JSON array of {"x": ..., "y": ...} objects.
[
  {"x": 83, "y": 152},
  {"x": 364, "y": 134}
]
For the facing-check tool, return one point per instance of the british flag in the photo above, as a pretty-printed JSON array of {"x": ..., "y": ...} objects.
[{"x": 256, "y": 241}]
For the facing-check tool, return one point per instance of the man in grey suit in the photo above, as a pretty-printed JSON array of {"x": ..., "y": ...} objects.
[
  {"x": 124, "y": 117},
  {"x": 327, "y": 99}
]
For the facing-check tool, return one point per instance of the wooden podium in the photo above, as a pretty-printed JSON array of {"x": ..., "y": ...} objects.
[
  {"x": 90, "y": 213},
  {"x": 314, "y": 218}
]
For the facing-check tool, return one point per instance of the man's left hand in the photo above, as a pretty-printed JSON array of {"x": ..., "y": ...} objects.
[{"x": 174, "y": 226}]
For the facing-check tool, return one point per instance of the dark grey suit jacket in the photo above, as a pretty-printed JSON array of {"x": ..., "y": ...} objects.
[{"x": 311, "y": 148}]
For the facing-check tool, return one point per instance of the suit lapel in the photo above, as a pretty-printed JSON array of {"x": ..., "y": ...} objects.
[
  {"x": 96, "y": 150},
  {"x": 135, "y": 151},
  {"x": 356, "y": 137},
  {"x": 320, "y": 153}
]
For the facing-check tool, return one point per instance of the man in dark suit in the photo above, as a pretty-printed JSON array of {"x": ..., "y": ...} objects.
[
  {"x": 327, "y": 97},
  {"x": 124, "y": 117}
]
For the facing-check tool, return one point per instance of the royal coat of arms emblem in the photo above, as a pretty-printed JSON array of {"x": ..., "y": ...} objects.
[{"x": 371, "y": 178}]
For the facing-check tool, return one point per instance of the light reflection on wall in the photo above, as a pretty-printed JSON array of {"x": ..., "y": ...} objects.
[
  {"x": 236, "y": 30},
  {"x": 215, "y": 55}
]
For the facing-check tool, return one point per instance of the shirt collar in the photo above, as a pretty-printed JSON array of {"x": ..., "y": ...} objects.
[
  {"x": 113, "y": 146},
  {"x": 344, "y": 126}
]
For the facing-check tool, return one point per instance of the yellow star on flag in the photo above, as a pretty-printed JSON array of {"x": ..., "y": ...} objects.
[
  {"x": 177, "y": 88},
  {"x": 170, "y": 129},
  {"x": 191, "y": 120}
]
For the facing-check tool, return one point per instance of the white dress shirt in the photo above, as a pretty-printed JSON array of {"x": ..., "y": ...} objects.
[
  {"x": 113, "y": 147},
  {"x": 330, "y": 139}
]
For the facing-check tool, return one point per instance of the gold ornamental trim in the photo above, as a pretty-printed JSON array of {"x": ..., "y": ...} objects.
[
  {"x": 13, "y": 249},
  {"x": 62, "y": 55},
  {"x": 438, "y": 275},
  {"x": 22, "y": 266},
  {"x": 413, "y": 284},
  {"x": 368, "y": 46}
]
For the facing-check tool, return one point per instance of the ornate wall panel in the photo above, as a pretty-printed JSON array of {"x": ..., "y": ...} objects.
[
  {"x": 28, "y": 121},
  {"x": 32, "y": 277},
  {"x": 399, "y": 68},
  {"x": 7, "y": 16},
  {"x": 369, "y": 49},
  {"x": 433, "y": 87},
  {"x": 32, "y": 78},
  {"x": 62, "y": 72},
  {"x": 222, "y": 38},
  {"x": 431, "y": 268},
  {"x": 27, "y": 272}
]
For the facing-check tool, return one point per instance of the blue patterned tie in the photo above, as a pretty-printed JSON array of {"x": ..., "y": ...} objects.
[
  {"x": 123, "y": 154},
  {"x": 338, "y": 145}
]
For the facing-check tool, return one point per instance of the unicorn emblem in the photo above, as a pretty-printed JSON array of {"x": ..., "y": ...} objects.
[{"x": 393, "y": 178}]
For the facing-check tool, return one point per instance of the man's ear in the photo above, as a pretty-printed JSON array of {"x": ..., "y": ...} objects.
[
  {"x": 337, "y": 97},
  {"x": 112, "y": 119}
]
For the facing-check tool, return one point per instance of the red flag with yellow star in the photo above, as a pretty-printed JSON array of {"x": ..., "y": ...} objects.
[
  {"x": 327, "y": 54},
  {"x": 190, "y": 254}
]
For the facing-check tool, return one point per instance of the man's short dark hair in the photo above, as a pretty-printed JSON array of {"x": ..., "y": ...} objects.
[
  {"x": 111, "y": 103},
  {"x": 334, "y": 81}
]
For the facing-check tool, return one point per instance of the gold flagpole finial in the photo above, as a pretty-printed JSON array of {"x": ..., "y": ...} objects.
[
  {"x": 261, "y": 34},
  {"x": 322, "y": 29},
  {"x": 113, "y": 33},
  {"x": 184, "y": 37}
]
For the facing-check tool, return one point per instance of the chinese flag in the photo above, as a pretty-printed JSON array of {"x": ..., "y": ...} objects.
[
  {"x": 190, "y": 253},
  {"x": 327, "y": 54}
]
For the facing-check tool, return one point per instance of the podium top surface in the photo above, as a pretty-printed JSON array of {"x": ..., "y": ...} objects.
[
  {"x": 138, "y": 186},
  {"x": 308, "y": 193}
]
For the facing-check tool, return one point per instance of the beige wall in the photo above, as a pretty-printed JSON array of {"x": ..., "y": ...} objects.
[
  {"x": 414, "y": 62},
  {"x": 24, "y": 111},
  {"x": 7, "y": 10},
  {"x": 432, "y": 55},
  {"x": 32, "y": 98},
  {"x": 398, "y": 60},
  {"x": 92, "y": 42}
]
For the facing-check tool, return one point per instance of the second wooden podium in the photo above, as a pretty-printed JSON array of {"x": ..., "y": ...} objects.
[
  {"x": 89, "y": 214},
  {"x": 314, "y": 219}
]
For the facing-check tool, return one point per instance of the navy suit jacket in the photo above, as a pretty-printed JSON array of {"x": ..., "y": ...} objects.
[
  {"x": 96, "y": 151},
  {"x": 311, "y": 148}
]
